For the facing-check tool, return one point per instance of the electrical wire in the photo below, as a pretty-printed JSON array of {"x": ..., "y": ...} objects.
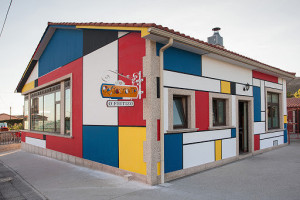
[{"x": 5, "y": 17}]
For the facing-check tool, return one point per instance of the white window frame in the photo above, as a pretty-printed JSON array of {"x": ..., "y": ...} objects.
[
  {"x": 60, "y": 81},
  {"x": 280, "y": 103}
]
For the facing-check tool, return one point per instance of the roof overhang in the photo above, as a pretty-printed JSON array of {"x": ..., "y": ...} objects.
[{"x": 214, "y": 52}]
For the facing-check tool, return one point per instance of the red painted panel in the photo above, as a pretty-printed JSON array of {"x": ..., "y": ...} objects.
[
  {"x": 256, "y": 142},
  {"x": 23, "y": 135},
  {"x": 72, "y": 146},
  {"x": 132, "y": 49},
  {"x": 34, "y": 135},
  {"x": 202, "y": 110},
  {"x": 263, "y": 76},
  {"x": 158, "y": 130}
]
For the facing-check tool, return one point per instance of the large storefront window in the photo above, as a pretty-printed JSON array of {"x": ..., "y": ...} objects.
[
  {"x": 273, "y": 110},
  {"x": 46, "y": 109}
]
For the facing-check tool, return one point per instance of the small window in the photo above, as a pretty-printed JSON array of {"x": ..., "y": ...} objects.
[
  {"x": 219, "y": 112},
  {"x": 273, "y": 110},
  {"x": 180, "y": 112}
]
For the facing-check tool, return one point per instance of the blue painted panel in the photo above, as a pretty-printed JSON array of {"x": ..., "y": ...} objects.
[
  {"x": 181, "y": 60},
  {"x": 173, "y": 152},
  {"x": 101, "y": 144},
  {"x": 64, "y": 47},
  {"x": 257, "y": 104},
  {"x": 285, "y": 134},
  {"x": 233, "y": 132}
]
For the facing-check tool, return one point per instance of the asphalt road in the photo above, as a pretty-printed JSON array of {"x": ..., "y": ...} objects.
[{"x": 273, "y": 175}]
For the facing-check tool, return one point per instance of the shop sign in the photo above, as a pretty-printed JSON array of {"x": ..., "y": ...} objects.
[
  {"x": 111, "y": 103},
  {"x": 113, "y": 91}
]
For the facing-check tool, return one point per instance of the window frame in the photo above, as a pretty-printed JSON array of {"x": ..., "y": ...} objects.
[
  {"x": 280, "y": 114},
  {"x": 228, "y": 107},
  {"x": 271, "y": 104},
  {"x": 190, "y": 99},
  {"x": 50, "y": 84}
]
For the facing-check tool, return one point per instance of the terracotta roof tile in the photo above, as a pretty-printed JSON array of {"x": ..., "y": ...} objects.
[{"x": 293, "y": 102}]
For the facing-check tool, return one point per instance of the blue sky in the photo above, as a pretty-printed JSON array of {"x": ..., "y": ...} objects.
[{"x": 265, "y": 30}]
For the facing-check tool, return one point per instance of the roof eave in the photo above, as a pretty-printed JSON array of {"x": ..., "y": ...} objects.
[{"x": 221, "y": 52}]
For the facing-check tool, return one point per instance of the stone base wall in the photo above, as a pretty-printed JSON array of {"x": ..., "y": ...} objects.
[{"x": 83, "y": 162}]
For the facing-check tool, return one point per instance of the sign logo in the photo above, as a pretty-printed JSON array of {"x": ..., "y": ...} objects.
[
  {"x": 110, "y": 103},
  {"x": 119, "y": 91}
]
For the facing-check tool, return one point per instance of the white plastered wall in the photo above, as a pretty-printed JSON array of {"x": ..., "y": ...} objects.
[
  {"x": 225, "y": 71},
  {"x": 34, "y": 74},
  {"x": 95, "y": 66}
]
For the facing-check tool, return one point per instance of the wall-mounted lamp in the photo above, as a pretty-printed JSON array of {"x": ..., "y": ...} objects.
[{"x": 246, "y": 87}]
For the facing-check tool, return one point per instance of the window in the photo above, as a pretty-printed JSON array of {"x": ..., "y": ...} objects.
[
  {"x": 219, "y": 112},
  {"x": 26, "y": 113},
  {"x": 273, "y": 110},
  {"x": 180, "y": 112},
  {"x": 47, "y": 110}
]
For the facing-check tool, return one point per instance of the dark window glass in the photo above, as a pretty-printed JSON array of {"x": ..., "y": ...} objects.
[
  {"x": 219, "y": 112},
  {"x": 273, "y": 110},
  {"x": 180, "y": 112}
]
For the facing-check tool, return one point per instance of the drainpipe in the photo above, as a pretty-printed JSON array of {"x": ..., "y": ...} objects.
[{"x": 162, "y": 131}]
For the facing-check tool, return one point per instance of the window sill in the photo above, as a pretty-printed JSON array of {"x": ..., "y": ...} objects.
[
  {"x": 275, "y": 130},
  {"x": 186, "y": 130},
  {"x": 47, "y": 133},
  {"x": 221, "y": 127}
]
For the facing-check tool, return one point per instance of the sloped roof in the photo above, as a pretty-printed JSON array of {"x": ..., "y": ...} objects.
[
  {"x": 4, "y": 116},
  {"x": 293, "y": 102},
  {"x": 141, "y": 25}
]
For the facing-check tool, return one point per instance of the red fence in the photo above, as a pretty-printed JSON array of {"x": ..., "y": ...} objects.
[{"x": 9, "y": 137}]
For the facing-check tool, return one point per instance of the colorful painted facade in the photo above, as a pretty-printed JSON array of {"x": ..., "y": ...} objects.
[{"x": 68, "y": 118}]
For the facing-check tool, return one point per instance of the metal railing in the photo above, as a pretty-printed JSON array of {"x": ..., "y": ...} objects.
[{"x": 10, "y": 137}]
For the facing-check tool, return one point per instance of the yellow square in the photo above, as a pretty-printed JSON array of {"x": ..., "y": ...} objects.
[{"x": 225, "y": 87}]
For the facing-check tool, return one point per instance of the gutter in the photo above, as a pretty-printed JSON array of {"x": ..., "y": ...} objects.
[
  {"x": 217, "y": 51},
  {"x": 162, "y": 131}
]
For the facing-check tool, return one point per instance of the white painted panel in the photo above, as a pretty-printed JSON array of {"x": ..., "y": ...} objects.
[
  {"x": 280, "y": 80},
  {"x": 256, "y": 82},
  {"x": 284, "y": 97},
  {"x": 273, "y": 85},
  {"x": 263, "y": 116},
  {"x": 233, "y": 110},
  {"x": 228, "y": 148},
  {"x": 240, "y": 90},
  {"x": 121, "y": 33},
  {"x": 166, "y": 112},
  {"x": 259, "y": 127},
  {"x": 206, "y": 136},
  {"x": 268, "y": 135},
  {"x": 174, "y": 79},
  {"x": 262, "y": 96},
  {"x": 95, "y": 65},
  {"x": 266, "y": 143},
  {"x": 34, "y": 74},
  {"x": 225, "y": 71},
  {"x": 198, "y": 154},
  {"x": 35, "y": 142}
]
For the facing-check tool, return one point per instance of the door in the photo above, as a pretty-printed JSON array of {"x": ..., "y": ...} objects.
[{"x": 243, "y": 127}]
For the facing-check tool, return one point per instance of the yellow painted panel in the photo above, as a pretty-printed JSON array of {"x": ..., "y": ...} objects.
[
  {"x": 225, "y": 87},
  {"x": 28, "y": 86},
  {"x": 158, "y": 168},
  {"x": 144, "y": 30},
  {"x": 285, "y": 119},
  {"x": 131, "y": 141},
  {"x": 218, "y": 149}
]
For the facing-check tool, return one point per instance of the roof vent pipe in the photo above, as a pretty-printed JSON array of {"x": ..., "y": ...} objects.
[{"x": 216, "y": 39}]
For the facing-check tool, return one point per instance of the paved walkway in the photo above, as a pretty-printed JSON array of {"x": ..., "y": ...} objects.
[{"x": 273, "y": 175}]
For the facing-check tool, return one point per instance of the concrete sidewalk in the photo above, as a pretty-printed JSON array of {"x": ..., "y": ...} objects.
[{"x": 272, "y": 175}]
